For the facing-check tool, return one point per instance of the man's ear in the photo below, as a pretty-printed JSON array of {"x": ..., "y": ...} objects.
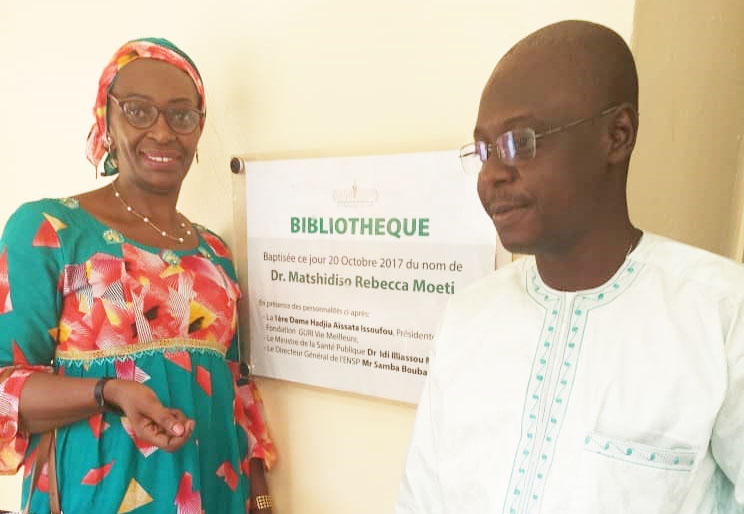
[{"x": 622, "y": 130}]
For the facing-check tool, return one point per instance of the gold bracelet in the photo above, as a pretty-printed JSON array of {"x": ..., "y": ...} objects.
[{"x": 263, "y": 501}]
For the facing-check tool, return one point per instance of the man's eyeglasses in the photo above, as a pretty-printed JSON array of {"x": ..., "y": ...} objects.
[
  {"x": 514, "y": 147},
  {"x": 143, "y": 114}
]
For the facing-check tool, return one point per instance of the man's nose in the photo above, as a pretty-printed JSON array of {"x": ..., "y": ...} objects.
[{"x": 495, "y": 171}]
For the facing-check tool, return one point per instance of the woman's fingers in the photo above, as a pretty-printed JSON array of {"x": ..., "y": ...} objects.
[
  {"x": 171, "y": 420},
  {"x": 153, "y": 423},
  {"x": 165, "y": 428},
  {"x": 159, "y": 436}
]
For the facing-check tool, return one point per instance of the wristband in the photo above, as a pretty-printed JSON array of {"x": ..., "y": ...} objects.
[
  {"x": 262, "y": 502},
  {"x": 99, "y": 398}
]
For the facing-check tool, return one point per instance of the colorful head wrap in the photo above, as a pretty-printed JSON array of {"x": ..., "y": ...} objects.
[{"x": 146, "y": 48}]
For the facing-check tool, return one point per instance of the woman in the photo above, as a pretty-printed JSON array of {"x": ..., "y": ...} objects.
[{"x": 134, "y": 306}]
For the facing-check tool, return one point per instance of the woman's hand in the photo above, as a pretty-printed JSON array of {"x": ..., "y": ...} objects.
[
  {"x": 259, "y": 487},
  {"x": 151, "y": 422}
]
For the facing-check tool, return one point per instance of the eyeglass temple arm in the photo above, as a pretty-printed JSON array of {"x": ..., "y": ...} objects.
[{"x": 577, "y": 122}]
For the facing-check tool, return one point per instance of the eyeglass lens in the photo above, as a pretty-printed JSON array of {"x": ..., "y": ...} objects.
[
  {"x": 142, "y": 114},
  {"x": 511, "y": 148}
]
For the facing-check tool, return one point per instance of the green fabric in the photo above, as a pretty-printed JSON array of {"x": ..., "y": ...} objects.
[{"x": 50, "y": 283}]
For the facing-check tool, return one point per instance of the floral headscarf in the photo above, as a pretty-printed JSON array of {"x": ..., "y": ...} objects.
[{"x": 146, "y": 48}]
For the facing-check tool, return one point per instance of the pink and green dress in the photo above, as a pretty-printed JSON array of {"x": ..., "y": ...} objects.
[{"x": 79, "y": 299}]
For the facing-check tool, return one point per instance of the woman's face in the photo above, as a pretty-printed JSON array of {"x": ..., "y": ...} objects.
[{"x": 158, "y": 157}]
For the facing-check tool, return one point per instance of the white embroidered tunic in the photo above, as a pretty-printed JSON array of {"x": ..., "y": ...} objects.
[{"x": 627, "y": 398}]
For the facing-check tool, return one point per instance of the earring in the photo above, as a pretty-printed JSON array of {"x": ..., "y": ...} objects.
[
  {"x": 110, "y": 165},
  {"x": 196, "y": 156}
]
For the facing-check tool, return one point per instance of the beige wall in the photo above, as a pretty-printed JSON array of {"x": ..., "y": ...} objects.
[
  {"x": 683, "y": 180},
  {"x": 283, "y": 78}
]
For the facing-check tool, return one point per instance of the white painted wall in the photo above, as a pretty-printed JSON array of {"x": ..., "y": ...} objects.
[{"x": 683, "y": 180}]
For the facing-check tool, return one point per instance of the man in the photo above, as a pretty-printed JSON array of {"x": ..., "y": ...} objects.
[{"x": 605, "y": 372}]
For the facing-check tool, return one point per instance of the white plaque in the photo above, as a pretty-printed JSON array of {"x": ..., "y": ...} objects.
[{"x": 352, "y": 260}]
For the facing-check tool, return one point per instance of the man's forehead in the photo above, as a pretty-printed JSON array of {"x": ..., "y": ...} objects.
[
  {"x": 527, "y": 93},
  {"x": 568, "y": 69},
  {"x": 502, "y": 108}
]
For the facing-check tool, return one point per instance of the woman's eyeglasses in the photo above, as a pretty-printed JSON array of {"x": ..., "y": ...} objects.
[
  {"x": 515, "y": 146},
  {"x": 143, "y": 114}
]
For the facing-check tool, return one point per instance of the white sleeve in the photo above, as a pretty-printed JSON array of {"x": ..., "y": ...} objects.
[
  {"x": 419, "y": 488},
  {"x": 727, "y": 440}
]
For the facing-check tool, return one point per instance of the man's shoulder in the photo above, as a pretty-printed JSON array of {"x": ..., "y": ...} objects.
[
  {"x": 685, "y": 263},
  {"x": 501, "y": 282}
]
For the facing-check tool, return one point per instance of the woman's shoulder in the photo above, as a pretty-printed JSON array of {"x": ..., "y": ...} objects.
[
  {"x": 61, "y": 206},
  {"x": 40, "y": 224},
  {"x": 216, "y": 243},
  {"x": 55, "y": 211}
]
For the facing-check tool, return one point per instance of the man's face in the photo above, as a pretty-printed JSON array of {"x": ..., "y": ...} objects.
[{"x": 546, "y": 203}]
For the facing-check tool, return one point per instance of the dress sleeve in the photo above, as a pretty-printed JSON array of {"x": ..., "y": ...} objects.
[
  {"x": 248, "y": 404},
  {"x": 251, "y": 419},
  {"x": 727, "y": 440},
  {"x": 31, "y": 264}
]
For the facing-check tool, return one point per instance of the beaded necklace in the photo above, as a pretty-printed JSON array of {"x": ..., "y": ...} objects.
[{"x": 129, "y": 208}]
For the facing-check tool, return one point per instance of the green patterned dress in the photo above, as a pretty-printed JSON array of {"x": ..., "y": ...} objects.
[{"x": 79, "y": 299}]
